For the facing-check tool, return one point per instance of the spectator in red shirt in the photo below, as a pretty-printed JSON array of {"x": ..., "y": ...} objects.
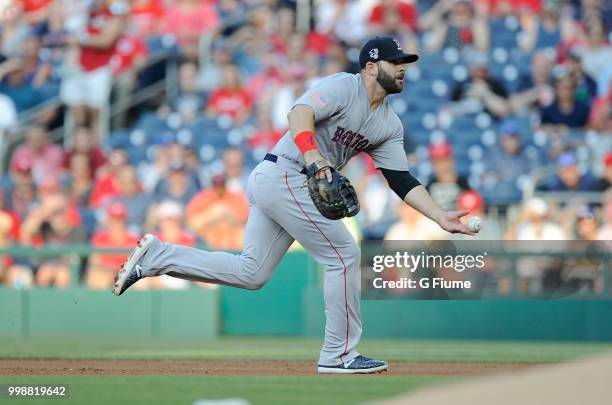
[
  {"x": 230, "y": 98},
  {"x": 87, "y": 88},
  {"x": 54, "y": 222},
  {"x": 500, "y": 8},
  {"x": 11, "y": 274},
  {"x": 187, "y": 20},
  {"x": 146, "y": 18},
  {"x": 407, "y": 13},
  {"x": 48, "y": 191},
  {"x": 265, "y": 137},
  {"x": 47, "y": 158},
  {"x": 104, "y": 266},
  {"x": 106, "y": 185},
  {"x": 13, "y": 219},
  {"x": 84, "y": 143},
  {"x": 35, "y": 10},
  {"x": 21, "y": 194},
  {"x": 130, "y": 54},
  {"x": 262, "y": 85}
]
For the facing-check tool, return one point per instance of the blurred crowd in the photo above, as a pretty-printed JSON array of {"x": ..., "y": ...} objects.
[{"x": 510, "y": 102}]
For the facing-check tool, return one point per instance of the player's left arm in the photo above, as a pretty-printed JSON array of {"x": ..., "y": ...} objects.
[
  {"x": 450, "y": 221},
  {"x": 414, "y": 194},
  {"x": 391, "y": 160}
]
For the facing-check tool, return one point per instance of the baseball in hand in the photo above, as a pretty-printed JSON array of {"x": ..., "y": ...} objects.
[{"x": 474, "y": 224}]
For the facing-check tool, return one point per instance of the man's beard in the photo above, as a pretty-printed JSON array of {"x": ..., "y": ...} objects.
[{"x": 388, "y": 82}]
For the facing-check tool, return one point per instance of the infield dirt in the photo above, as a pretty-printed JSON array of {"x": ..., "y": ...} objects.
[{"x": 15, "y": 367}]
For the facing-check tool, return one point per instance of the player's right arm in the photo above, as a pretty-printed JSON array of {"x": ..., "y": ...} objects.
[{"x": 301, "y": 124}]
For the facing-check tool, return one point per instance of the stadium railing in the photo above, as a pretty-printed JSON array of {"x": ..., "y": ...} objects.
[{"x": 11, "y": 138}]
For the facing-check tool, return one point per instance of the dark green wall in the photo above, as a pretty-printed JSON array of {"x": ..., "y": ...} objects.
[
  {"x": 81, "y": 312},
  {"x": 575, "y": 320},
  {"x": 12, "y": 311},
  {"x": 276, "y": 309}
]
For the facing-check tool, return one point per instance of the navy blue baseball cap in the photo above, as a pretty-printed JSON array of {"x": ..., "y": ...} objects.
[{"x": 384, "y": 48}]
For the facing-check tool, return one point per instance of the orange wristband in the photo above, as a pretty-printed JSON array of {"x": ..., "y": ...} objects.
[{"x": 305, "y": 140}]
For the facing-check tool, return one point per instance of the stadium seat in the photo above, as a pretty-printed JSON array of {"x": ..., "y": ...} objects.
[
  {"x": 504, "y": 32},
  {"x": 150, "y": 122},
  {"x": 138, "y": 155},
  {"x": 119, "y": 138}
]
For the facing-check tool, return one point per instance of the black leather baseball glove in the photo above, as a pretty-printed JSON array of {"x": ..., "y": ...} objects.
[{"x": 334, "y": 200}]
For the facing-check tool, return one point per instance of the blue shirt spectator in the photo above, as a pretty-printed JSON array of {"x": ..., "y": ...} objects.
[
  {"x": 16, "y": 87},
  {"x": 506, "y": 162},
  {"x": 180, "y": 186},
  {"x": 565, "y": 110},
  {"x": 569, "y": 177}
]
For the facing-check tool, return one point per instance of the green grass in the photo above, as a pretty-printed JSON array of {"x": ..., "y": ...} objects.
[
  {"x": 336, "y": 390},
  {"x": 314, "y": 389},
  {"x": 256, "y": 348}
]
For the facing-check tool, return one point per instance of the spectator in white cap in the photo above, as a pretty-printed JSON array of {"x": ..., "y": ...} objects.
[
  {"x": 535, "y": 225},
  {"x": 170, "y": 217},
  {"x": 605, "y": 230}
]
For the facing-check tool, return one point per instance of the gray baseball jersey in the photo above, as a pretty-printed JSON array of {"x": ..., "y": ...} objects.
[
  {"x": 281, "y": 211},
  {"x": 345, "y": 125}
]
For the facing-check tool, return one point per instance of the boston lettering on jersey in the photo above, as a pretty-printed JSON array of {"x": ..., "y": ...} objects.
[{"x": 350, "y": 139}]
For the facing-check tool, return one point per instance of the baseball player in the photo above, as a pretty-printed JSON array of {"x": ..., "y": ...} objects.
[{"x": 342, "y": 115}]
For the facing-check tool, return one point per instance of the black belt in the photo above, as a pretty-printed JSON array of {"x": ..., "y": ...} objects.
[{"x": 273, "y": 158}]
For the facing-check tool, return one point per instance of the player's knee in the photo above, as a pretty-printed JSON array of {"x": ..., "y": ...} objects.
[
  {"x": 254, "y": 284},
  {"x": 256, "y": 280},
  {"x": 354, "y": 255},
  {"x": 351, "y": 255},
  {"x": 257, "y": 276}
]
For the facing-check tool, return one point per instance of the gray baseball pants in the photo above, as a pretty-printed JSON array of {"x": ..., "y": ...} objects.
[{"x": 281, "y": 211}]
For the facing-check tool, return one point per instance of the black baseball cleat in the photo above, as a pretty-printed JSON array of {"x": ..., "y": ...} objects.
[
  {"x": 359, "y": 365},
  {"x": 130, "y": 271}
]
